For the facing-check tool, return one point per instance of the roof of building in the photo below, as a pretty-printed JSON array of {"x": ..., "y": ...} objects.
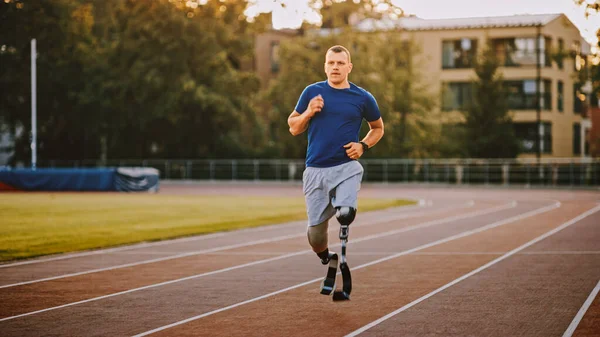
[
  {"x": 414, "y": 23},
  {"x": 418, "y": 24}
]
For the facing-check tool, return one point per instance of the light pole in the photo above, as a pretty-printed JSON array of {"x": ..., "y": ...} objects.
[
  {"x": 33, "y": 106},
  {"x": 538, "y": 105}
]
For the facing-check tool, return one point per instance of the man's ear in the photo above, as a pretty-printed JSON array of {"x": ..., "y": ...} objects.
[
  {"x": 350, "y": 66},
  {"x": 325, "y": 68}
]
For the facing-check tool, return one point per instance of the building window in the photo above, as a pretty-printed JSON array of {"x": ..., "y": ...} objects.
[
  {"x": 578, "y": 99},
  {"x": 456, "y": 95},
  {"x": 547, "y": 50},
  {"x": 522, "y": 95},
  {"x": 576, "y": 47},
  {"x": 561, "y": 50},
  {"x": 560, "y": 94},
  {"x": 576, "y": 138},
  {"x": 546, "y": 95},
  {"x": 459, "y": 53},
  {"x": 526, "y": 133},
  {"x": 516, "y": 52},
  {"x": 274, "y": 56}
]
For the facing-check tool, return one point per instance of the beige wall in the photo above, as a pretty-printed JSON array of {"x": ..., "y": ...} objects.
[{"x": 562, "y": 122}]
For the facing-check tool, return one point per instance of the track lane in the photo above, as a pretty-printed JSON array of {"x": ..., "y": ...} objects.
[{"x": 29, "y": 298}]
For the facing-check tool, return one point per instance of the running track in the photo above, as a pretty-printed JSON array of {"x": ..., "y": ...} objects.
[{"x": 464, "y": 262}]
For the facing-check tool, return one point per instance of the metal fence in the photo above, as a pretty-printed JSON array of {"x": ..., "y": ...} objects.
[{"x": 568, "y": 172}]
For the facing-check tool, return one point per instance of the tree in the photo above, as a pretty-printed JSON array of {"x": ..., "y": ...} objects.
[
  {"x": 132, "y": 78},
  {"x": 336, "y": 14},
  {"x": 591, "y": 7},
  {"x": 64, "y": 37},
  {"x": 488, "y": 127}
]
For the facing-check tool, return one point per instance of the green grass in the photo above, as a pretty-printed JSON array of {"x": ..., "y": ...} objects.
[{"x": 34, "y": 224}]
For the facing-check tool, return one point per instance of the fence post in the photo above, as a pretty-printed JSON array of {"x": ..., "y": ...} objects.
[
  {"x": 385, "y": 171},
  {"x": 505, "y": 174},
  {"x": 487, "y": 173},
  {"x": 571, "y": 178},
  {"x": 167, "y": 170},
  {"x": 255, "y": 162},
  {"x": 211, "y": 169},
  {"x": 291, "y": 171},
  {"x": 233, "y": 170},
  {"x": 459, "y": 174}
]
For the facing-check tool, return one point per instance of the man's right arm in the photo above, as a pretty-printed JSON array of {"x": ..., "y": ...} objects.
[{"x": 298, "y": 122}]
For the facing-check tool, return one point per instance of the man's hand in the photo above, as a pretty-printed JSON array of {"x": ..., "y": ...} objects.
[
  {"x": 315, "y": 105},
  {"x": 354, "y": 150}
]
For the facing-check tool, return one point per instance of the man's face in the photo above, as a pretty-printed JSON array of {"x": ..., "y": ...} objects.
[{"x": 337, "y": 67}]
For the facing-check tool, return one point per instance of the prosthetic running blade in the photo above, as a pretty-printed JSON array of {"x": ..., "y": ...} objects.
[{"x": 344, "y": 294}]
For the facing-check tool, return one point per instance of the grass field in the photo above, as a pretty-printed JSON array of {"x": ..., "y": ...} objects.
[{"x": 34, "y": 224}]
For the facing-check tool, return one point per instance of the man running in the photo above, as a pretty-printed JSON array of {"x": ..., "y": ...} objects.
[{"x": 333, "y": 111}]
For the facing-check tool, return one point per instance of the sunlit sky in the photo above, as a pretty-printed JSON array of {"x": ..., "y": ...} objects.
[{"x": 296, "y": 10}]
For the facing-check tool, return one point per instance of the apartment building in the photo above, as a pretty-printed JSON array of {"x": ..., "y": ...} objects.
[{"x": 537, "y": 53}]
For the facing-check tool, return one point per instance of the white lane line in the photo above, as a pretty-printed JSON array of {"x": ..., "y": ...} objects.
[
  {"x": 155, "y": 285},
  {"x": 453, "y": 253},
  {"x": 487, "y": 265},
  {"x": 364, "y": 253},
  {"x": 458, "y": 253},
  {"x": 211, "y": 250},
  {"x": 582, "y": 311},
  {"x": 562, "y": 252},
  {"x": 406, "y": 252},
  {"x": 420, "y": 204},
  {"x": 386, "y": 234},
  {"x": 583, "y": 252},
  {"x": 279, "y": 238}
]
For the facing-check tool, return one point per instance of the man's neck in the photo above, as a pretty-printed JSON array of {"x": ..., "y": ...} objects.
[{"x": 342, "y": 85}]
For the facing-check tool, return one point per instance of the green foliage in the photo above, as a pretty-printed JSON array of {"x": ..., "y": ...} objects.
[
  {"x": 63, "y": 32},
  {"x": 134, "y": 75},
  {"x": 383, "y": 65},
  {"x": 337, "y": 14},
  {"x": 590, "y": 7},
  {"x": 488, "y": 127}
]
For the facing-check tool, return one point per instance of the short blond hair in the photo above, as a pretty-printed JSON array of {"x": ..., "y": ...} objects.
[{"x": 340, "y": 49}]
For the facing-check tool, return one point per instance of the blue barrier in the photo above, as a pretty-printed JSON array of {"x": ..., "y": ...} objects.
[{"x": 85, "y": 179}]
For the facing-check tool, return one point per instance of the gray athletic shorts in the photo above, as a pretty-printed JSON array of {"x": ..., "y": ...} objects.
[{"x": 330, "y": 187}]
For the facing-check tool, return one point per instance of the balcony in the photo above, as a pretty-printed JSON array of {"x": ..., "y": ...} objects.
[
  {"x": 519, "y": 52},
  {"x": 527, "y": 101}
]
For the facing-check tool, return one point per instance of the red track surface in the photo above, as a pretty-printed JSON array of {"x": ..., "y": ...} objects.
[{"x": 467, "y": 262}]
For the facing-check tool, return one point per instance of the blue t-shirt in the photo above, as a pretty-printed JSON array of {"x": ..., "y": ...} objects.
[{"x": 338, "y": 123}]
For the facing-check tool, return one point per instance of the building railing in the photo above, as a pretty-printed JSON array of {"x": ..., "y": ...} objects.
[
  {"x": 528, "y": 101},
  {"x": 568, "y": 172}
]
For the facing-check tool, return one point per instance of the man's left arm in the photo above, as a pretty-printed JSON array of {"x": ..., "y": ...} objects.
[{"x": 356, "y": 150}]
